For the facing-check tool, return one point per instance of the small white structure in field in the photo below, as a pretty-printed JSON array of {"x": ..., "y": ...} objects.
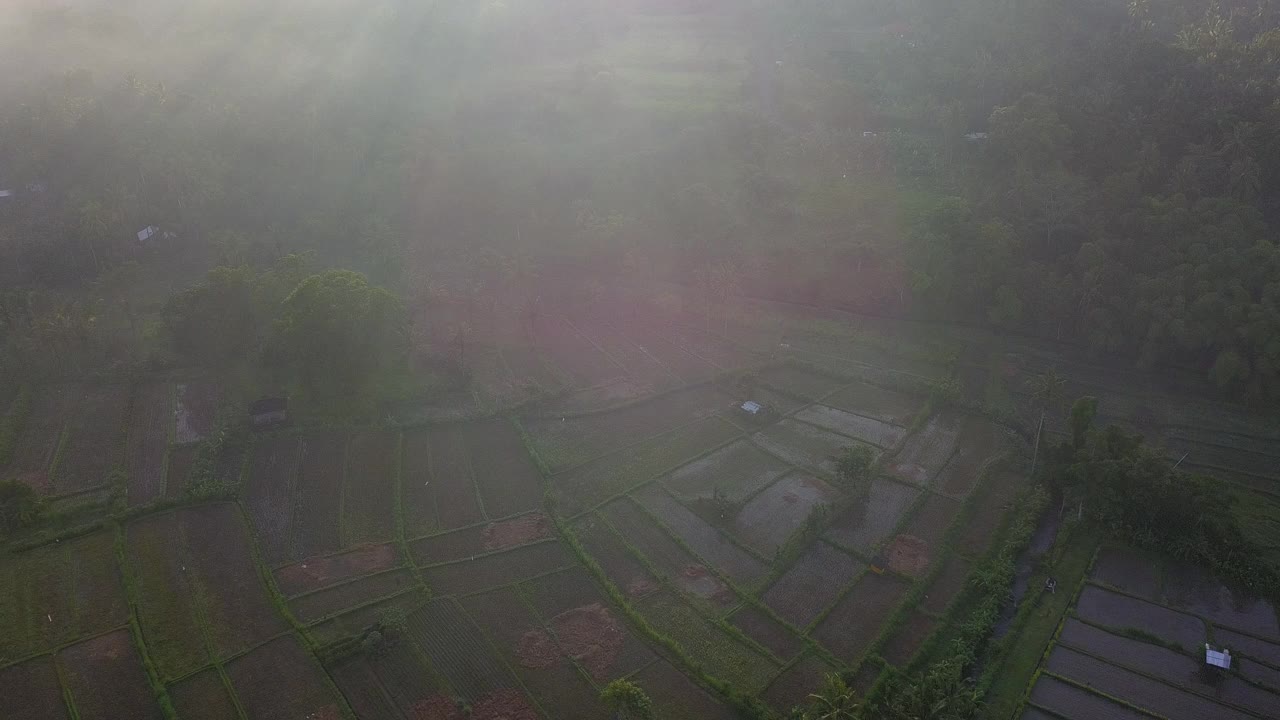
[
  {"x": 975, "y": 136},
  {"x": 751, "y": 407},
  {"x": 1217, "y": 658},
  {"x": 147, "y": 233},
  {"x": 6, "y": 193}
]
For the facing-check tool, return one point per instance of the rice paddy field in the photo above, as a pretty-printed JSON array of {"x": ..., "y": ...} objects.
[{"x": 537, "y": 551}]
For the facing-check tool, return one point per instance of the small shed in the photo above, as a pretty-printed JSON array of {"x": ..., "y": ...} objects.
[
  {"x": 269, "y": 411},
  {"x": 751, "y": 407},
  {"x": 879, "y": 564},
  {"x": 1218, "y": 658},
  {"x": 975, "y": 136},
  {"x": 6, "y": 194},
  {"x": 147, "y": 233}
]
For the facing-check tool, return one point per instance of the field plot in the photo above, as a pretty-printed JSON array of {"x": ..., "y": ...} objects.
[
  {"x": 1252, "y": 647},
  {"x": 390, "y": 685},
  {"x": 771, "y": 635},
  {"x": 457, "y": 650},
  {"x": 1073, "y": 703},
  {"x": 537, "y": 658},
  {"x": 51, "y": 406},
  {"x": 147, "y": 442},
  {"x": 368, "y": 497},
  {"x": 270, "y": 494},
  {"x": 855, "y": 621},
  {"x": 1130, "y": 570},
  {"x": 665, "y": 555},
  {"x": 94, "y": 442},
  {"x": 586, "y": 486},
  {"x": 812, "y": 584},
  {"x": 771, "y": 517},
  {"x": 875, "y": 432},
  {"x": 574, "y": 354},
  {"x": 566, "y": 442},
  {"x": 876, "y": 402},
  {"x": 203, "y": 696},
  {"x": 479, "y": 540},
  {"x": 932, "y": 518},
  {"x": 333, "y": 601},
  {"x": 946, "y": 585},
  {"x": 907, "y": 639},
  {"x": 980, "y": 440},
  {"x": 701, "y": 537},
  {"x": 178, "y": 474},
  {"x": 437, "y": 475},
  {"x": 865, "y": 525},
  {"x": 579, "y": 618},
  {"x": 1120, "y": 611},
  {"x": 1138, "y": 690},
  {"x": 530, "y": 369},
  {"x": 1165, "y": 664},
  {"x": 32, "y": 691},
  {"x": 353, "y": 623},
  {"x": 1190, "y": 588},
  {"x": 736, "y": 470},
  {"x": 798, "y": 383},
  {"x": 988, "y": 512},
  {"x": 319, "y": 494},
  {"x": 195, "y": 411},
  {"x": 622, "y": 568},
  {"x": 803, "y": 445},
  {"x": 722, "y": 354},
  {"x": 642, "y": 367},
  {"x": 927, "y": 451},
  {"x": 282, "y": 680},
  {"x": 706, "y": 644},
  {"x": 157, "y": 560},
  {"x": 676, "y": 697},
  {"x": 501, "y": 569},
  {"x": 490, "y": 377},
  {"x": 684, "y": 363},
  {"x": 794, "y": 685},
  {"x": 57, "y": 593},
  {"x": 1224, "y": 458},
  {"x": 505, "y": 475},
  {"x": 317, "y": 573},
  {"x": 239, "y": 613},
  {"x": 105, "y": 679}
]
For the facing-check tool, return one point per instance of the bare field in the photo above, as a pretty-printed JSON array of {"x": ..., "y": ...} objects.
[
  {"x": 803, "y": 445},
  {"x": 857, "y": 619},
  {"x": 771, "y": 635},
  {"x": 925, "y": 453},
  {"x": 865, "y": 525},
  {"x": 32, "y": 691},
  {"x": 1074, "y": 703},
  {"x": 736, "y": 470},
  {"x": 106, "y": 681},
  {"x": 779, "y": 510},
  {"x": 147, "y": 442},
  {"x": 95, "y": 440},
  {"x": 793, "y": 686},
  {"x": 704, "y": 539},
  {"x": 320, "y": 572},
  {"x": 588, "y": 485},
  {"x": 618, "y": 564},
  {"x": 876, "y": 402},
  {"x": 281, "y": 679},
  {"x": 494, "y": 570},
  {"x": 203, "y": 696},
  {"x": 902, "y": 645},
  {"x": 866, "y": 429},
  {"x": 812, "y": 584}
]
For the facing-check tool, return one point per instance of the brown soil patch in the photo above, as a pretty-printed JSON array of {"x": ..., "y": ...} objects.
[
  {"x": 588, "y": 634},
  {"x": 518, "y": 531},
  {"x": 698, "y": 580},
  {"x": 315, "y": 573},
  {"x": 497, "y": 705},
  {"x": 908, "y": 555},
  {"x": 641, "y": 587},
  {"x": 503, "y": 705}
]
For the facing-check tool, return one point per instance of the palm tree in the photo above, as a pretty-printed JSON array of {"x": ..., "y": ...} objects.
[
  {"x": 835, "y": 701},
  {"x": 1047, "y": 389}
]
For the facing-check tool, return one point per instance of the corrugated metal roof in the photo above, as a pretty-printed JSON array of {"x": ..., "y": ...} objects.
[
  {"x": 145, "y": 233},
  {"x": 752, "y": 407},
  {"x": 1217, "y": 658}
]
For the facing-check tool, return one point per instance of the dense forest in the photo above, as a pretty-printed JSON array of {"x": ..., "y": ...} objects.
[{"x": 1100, "y": 173}]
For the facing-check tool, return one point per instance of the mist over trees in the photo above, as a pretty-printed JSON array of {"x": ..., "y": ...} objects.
[{"x": 1101, "y": 174}]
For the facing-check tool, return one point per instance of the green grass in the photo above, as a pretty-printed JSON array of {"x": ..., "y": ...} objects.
[
  {"x": 1035, "y": 626},
  {"x": 716, "y": 652}
]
